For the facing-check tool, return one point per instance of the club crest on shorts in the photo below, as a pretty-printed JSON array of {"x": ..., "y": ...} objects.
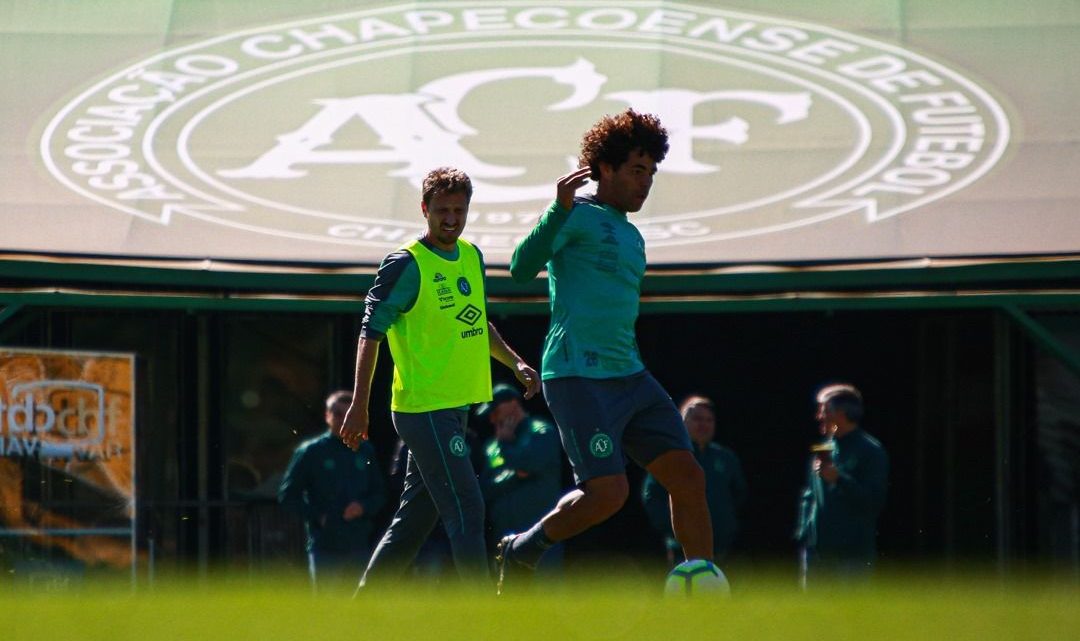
[
  {"x": 457, "y": 445},
  {"x": 601, "y": 446}
]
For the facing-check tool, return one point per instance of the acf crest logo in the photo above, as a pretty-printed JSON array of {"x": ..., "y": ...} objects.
[
  {"x": 322, "y": 129},
  {"x": 458, "y": 446},
  {"x": 601, "y": 446}
]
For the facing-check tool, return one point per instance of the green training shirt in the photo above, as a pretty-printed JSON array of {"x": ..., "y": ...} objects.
[{"x": 595, "y": 259}]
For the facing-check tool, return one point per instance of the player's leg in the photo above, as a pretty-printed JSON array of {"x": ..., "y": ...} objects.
[
  {"x": 589, "y": 416},
  {"x": 437, "y": 441},
  {"x": 594, "y": 502},
  {"x": 655, "y": 437},
  {"x": 413, "y": 522},
  {"x": 678, "y": 471}
]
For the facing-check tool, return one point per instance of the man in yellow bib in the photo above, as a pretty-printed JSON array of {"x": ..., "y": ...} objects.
[{"x": 428, "y": 302}]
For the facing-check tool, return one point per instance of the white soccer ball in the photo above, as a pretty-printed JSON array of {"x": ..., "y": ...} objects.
[{"x": 692, "y": 578}]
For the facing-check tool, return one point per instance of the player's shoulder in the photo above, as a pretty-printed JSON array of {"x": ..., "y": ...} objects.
[
  {"x": 586, "y": 214},
  {"x": 588, "y": 201},
  {"x": 397, "y": 259},
  {"x": 465, "y": 245},
  {"x": 392, "y": 270}
]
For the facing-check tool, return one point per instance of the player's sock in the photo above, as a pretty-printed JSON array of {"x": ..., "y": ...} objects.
[{"x": 529, "y": 546}]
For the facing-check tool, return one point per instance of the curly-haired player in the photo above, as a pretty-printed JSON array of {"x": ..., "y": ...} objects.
[{"x": 607, "y": 405}]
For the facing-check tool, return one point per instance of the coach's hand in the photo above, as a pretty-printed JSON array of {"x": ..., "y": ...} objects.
[
  {"x": 528, "y": 378},
  {"x": 355, "y": 427},
  {"x": 568, "y": 185}
]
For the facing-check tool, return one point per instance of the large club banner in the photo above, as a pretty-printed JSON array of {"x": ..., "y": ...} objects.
[
  {"x": 67, "y": 459},
  {"x": 303, "y": 134}
]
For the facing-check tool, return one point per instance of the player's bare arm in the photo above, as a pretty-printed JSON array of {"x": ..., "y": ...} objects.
[
  {"x": 355, "y": 426},
  {"x": 567, "y": 186},
  {"x": 502, "y": 352}
]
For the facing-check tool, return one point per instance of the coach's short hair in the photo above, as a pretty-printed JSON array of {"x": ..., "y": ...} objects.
[
  {"x": 340, "y": 396},
  {"x": 613, "y": 138},
  {"x": 843, "y": 397},
  {"x": 446, "y": 180}
]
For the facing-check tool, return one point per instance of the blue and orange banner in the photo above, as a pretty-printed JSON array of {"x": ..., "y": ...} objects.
[{"x": 67, "y": 455}]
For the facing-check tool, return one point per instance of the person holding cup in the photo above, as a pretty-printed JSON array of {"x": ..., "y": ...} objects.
[{"x": 847, "y": 480}]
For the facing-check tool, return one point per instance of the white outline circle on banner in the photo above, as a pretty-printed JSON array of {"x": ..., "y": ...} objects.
[{"x": 677, "y": 45}]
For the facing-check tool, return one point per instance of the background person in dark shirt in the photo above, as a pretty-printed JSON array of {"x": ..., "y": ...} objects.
[
  {"x": 521, "y": 474},
  {"x": 847, "y": 478},
  {"x": 337, "y": 492}
]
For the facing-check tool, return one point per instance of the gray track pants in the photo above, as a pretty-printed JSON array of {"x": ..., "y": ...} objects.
[{"x": 440, "y": 483}]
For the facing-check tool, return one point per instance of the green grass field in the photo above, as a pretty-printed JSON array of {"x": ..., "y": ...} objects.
[{"x": 601, "y": 607}]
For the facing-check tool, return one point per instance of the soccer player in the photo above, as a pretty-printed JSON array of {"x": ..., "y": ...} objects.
[
  {"x": 428, "y": 302},
  {"x": 605, "y": 402}
]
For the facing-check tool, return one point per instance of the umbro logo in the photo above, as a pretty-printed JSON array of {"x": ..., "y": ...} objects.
[{"x": 470, "y": 315}]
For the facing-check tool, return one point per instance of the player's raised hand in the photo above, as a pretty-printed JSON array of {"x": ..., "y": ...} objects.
[
  {"x": 355, "y": 427},
  {"x": 567, "y": 186}
]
